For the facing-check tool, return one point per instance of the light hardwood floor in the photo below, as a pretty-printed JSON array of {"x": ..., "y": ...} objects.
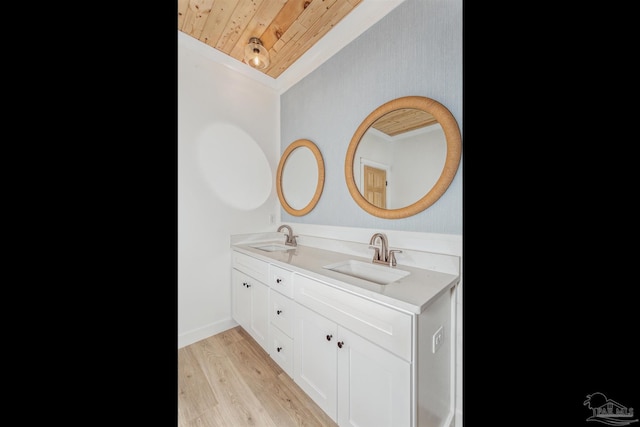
[{"x": 229, "y": 380}]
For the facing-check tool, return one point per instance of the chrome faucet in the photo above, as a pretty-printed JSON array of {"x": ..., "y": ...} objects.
[
  {"x": 291, "y": 239},
  {"x": 382, "y": 254}
]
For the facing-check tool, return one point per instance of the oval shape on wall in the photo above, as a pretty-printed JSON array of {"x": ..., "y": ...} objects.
[{"x": 234, "y": 166}]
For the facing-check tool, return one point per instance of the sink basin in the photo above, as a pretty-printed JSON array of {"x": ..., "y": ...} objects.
[
  {"x": 272, "y": 247},
  {"x": 380, "y": 274}
]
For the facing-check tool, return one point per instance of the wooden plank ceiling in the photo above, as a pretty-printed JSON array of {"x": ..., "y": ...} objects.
[{"x": 287, "y": 28}]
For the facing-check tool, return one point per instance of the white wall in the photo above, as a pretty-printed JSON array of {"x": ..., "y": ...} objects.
[{"x": 228, "y": 153}]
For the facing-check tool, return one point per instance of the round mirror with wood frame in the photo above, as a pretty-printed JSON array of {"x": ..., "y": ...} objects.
[
  {"x": 395, "y": 113},
  {"x": 298, "y": 188}
]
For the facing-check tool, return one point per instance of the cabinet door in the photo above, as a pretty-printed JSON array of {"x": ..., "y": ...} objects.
[
  {"x": 259, "y": 328},
  {"x": 315, "y": 362},
  {"x": 241, "y": 309},
  {"x": 250, "y": 306},
  {"x": 374, "y": 386}
]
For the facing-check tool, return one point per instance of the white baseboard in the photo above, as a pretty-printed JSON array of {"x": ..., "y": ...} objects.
[{"x": 207, "y": 331}]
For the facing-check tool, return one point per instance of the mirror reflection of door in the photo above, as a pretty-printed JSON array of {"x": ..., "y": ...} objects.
[
  {"x": 375, "y": 186},
  {"x": 414, "y": 147}
]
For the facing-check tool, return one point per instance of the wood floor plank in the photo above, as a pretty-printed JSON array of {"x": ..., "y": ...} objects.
[
  {"x": 209, "y": 418},
  {"x": 246, "y": 387},
  {"x": 230, "y": 336},
  {"x": 237, "y": 402},
  {"x": 253, "y": 364},
  {"x": 287, "y": 404},
  {"x": 305, "y": 411},
  {"x": 194, "y": 392}
]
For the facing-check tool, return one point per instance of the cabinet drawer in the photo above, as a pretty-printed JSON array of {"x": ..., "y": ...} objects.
[
  {"x": 281, "y": 312},
  {"x": 281, "y": 280},
  {"x": 251, "y": 266},
  {"x": 281, "y": 350},
  {"x": 389, "y": 328}
]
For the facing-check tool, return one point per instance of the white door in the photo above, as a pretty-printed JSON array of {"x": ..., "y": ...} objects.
[
  {"x": 374, "y": 386},
  {"x": 315, "y": 363}
]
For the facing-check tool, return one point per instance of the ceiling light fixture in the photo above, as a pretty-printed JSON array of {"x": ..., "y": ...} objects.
[{"x": 255, "y": 54}]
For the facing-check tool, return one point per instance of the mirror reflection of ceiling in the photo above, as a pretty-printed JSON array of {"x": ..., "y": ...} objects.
[{"x": 403, "y": 120}]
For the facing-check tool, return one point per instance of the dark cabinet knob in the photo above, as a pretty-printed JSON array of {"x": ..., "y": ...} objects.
[
  {"x": 278, "y": 311},
  {"x": 340, "y": 344},
  {"x": 329, "y": 337},
  {"x": 279, "y": 348},
  {"x": 245, "y": 284},
  {"x": 278, "y": 280}
]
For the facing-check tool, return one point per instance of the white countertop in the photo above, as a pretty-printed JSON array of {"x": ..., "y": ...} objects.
[{"x": 412, "y": 293}]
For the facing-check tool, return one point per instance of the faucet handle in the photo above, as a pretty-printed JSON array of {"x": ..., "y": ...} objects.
[
  {"x": 376, "y": 254},
  {"x": 392, "y": 257}
]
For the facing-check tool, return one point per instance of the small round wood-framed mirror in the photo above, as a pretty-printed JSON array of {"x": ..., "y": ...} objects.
[
  {"x": 300, "y": 177},
  {"x": 403, "y": 157}
]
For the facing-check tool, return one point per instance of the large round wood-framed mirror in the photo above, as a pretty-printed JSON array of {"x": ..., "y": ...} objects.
[
  {"x": 403, "y": 157},
  {"x": 300, "y": 177}
]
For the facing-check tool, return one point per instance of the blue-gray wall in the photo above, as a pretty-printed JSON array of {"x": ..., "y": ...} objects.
[{"x": 415, "y": 50}]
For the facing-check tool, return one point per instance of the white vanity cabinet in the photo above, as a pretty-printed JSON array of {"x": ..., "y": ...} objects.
[
  {"x": 281, "y": 316},
  {"x": 356, "y": 382},
  {"x": 250, "y": 296},
  {"x": 364, "y": 359}
]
